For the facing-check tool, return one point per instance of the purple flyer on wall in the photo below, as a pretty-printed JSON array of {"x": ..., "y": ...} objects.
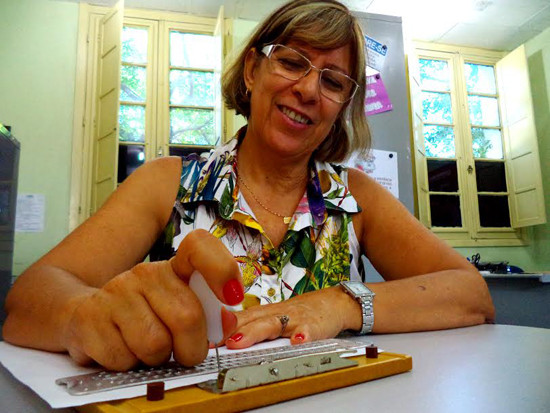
[{"x": 377, "y": 99}]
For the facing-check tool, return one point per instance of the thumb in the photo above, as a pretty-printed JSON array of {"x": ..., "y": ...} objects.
[
  {"x": 229, "y": 325},
  {"x": 229, "y": 322}
]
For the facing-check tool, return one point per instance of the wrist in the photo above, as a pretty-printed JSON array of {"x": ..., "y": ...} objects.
[
  {"x": 68, "y": 314},
  {"x": 351, "y": 316},
  {"x": 363, "y": 297}
]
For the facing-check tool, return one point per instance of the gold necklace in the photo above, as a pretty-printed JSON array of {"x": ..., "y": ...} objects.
[{"x": 286, "y": 219}]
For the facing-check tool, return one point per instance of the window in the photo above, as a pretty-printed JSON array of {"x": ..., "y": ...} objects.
[
  {"x": 147, "y": 86},
  {"x": 466, "y": 174},
  {"x": 483, "y": 141},
  {"x": 192, "y": 62},
  {"x": 187, "y": 108},
  {"x": 133, "y": 100}
]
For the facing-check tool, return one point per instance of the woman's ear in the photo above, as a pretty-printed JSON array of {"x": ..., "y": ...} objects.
[{"x": 250, "y": 63}]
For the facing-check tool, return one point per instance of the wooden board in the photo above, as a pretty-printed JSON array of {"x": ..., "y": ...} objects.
[{"x": 193, "y": 399}]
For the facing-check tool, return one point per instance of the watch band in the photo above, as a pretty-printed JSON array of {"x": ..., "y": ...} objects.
[
  {"x": 368, "y": 314},
  {"x": 365, "y": 300}
]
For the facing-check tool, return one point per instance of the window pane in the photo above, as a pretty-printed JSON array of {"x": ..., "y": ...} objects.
[
  {"x": 130, "y": 157},
  {"x": 445, "y": 211},
  {"x": 132, "y": 123},
  {"x": 480, "y": 79},
  {"x": 439, "y": 141},
  {"x": 490, "y": 176},
  {"x": 442, "y": 176},
  {"x": 191, "y": 88},
  {"x": 434, "y": 75},
  {"x": 192, "y": 50},
  {"x": 493, "y": 211},
  {"x": 437, "y": 107},
  {"x": 192, "y": 126},
  {"x": 483, "y": 111},
  {"x": 132, "y": 84},
  {"x": 185, "y": 151},
  {"x": 487, "y": 143},
  {"x": 134, "y": 45}
]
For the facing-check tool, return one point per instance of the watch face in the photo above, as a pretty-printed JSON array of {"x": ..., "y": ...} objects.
[{"x": 358, "y": 288}]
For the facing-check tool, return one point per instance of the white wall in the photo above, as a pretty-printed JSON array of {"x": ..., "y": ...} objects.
[{"x": 38, "y": 41}]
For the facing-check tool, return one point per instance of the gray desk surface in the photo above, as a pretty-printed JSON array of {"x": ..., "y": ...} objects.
[
  {"x": 543, "y": 277},
  {"x": 488, "y": 368}
]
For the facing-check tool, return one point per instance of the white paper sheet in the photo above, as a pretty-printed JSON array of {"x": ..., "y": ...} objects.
[
  {"x": 39, "y": 370},
  {"x": 382, "y": 167}
]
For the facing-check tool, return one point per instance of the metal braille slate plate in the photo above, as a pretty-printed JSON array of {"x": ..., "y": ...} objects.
[{"x": 109, "y": 380}]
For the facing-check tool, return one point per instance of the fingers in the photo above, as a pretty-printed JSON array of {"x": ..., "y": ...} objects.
[
  {"x": 108, "y": 348},
  {"x": 180, "y": 311},
  {"x": 151, "y": 341},
  {"x": 203, "y": 252},
  {"x": 148, "y": 313},
  {"x": 270, "y": 327},
  {"x": 141, "y": 315},
  {"x": 93, "y": 337},
  {"x": 266, "y": 328},
  {"x": 312, "y": 316}
]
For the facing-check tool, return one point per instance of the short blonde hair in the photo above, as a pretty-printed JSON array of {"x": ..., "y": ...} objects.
[{"x": 325, "y": 25}]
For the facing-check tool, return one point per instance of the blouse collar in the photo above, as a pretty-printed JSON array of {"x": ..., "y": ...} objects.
[{"x": 213, "y": 179}]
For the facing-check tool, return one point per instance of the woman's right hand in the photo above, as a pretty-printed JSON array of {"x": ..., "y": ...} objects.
[{"x": 148, "y": 312}]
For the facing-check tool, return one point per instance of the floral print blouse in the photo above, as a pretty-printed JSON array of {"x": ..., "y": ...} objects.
[{"x": 319, "y": 249}]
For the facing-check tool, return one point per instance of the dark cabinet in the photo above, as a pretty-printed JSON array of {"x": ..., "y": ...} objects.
[{"x": 9, "y": 167}]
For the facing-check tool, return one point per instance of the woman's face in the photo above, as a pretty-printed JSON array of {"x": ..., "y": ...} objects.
[{"x": 293, "y": 117}]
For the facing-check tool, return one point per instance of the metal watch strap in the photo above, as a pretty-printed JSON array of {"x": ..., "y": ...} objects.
[
  {"x": 367, "y": 312},
  {"x": 365, "y": 301}
]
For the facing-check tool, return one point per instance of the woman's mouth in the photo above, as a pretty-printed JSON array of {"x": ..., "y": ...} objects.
[{"x": 295, "y": 116}]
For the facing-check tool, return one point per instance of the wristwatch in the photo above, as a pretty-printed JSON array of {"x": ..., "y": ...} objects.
[{"x": 364, "y": 296}]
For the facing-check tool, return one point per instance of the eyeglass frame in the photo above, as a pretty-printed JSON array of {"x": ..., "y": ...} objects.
[{"x": 267, "y": 51}]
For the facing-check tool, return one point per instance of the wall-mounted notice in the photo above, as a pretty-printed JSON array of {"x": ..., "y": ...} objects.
[
  {"x": 382, "y": 167},
  {"x": 376, "y": 53},
  {"x": 29, "y": 215},
  {"x": 377, "y": 99}
]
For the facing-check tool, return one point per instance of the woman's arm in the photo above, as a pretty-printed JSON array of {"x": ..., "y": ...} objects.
[
  {"x": 429, "y": 285},
  {"x": 92, "y": 297}
]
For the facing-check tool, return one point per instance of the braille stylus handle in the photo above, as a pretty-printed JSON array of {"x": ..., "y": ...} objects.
[{"x": 211, "y": 306}]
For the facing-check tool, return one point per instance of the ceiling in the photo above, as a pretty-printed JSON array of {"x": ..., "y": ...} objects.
[{"x": 489, "y": 24}]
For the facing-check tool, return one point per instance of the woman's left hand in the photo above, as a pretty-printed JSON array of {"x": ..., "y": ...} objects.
[{"x": 312, "y": 316}]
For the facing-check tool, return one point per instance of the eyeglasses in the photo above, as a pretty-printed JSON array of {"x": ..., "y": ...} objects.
[{"x": 292, "y": 65}]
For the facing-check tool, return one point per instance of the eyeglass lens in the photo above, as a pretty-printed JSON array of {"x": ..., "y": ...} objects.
[{"x": 291, "y": 65}]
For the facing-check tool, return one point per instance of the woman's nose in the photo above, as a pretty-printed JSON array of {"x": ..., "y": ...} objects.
[{"x": 308, "y": 86}]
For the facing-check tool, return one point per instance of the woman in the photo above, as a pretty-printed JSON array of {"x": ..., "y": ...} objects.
[{"x": 267, "y": 205}]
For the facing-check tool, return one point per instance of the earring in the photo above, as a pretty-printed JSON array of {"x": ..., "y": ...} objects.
[{"x": 248, "y": 93}]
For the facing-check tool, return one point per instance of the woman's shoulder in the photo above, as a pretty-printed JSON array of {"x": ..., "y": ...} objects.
[
  {"x": 155, "y": 184},
  {"x": 165, "y": 163},
  {"x": 374, "y": 200},
  {"x": 362, "y": 185},
  {"x": 165, "y": 168}
]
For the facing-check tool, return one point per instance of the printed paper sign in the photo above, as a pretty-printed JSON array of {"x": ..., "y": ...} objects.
[
  {"x": 29, "y": 214},
  {"x": 382, "y": 167},
  {"x": 377, "y": 99},
  {"x": 376, "y": 53}
]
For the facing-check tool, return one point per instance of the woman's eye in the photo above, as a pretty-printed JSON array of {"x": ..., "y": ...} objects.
[
  {"x": 332, "y": 83},
  {"x": 290, "y": 64}
]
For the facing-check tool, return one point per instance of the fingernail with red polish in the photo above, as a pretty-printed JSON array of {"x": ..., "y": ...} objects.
[
  {"x": 233, "y": 292},
  {"x": 236, "y": 337},
  {"x": 299, "y": 337}
]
